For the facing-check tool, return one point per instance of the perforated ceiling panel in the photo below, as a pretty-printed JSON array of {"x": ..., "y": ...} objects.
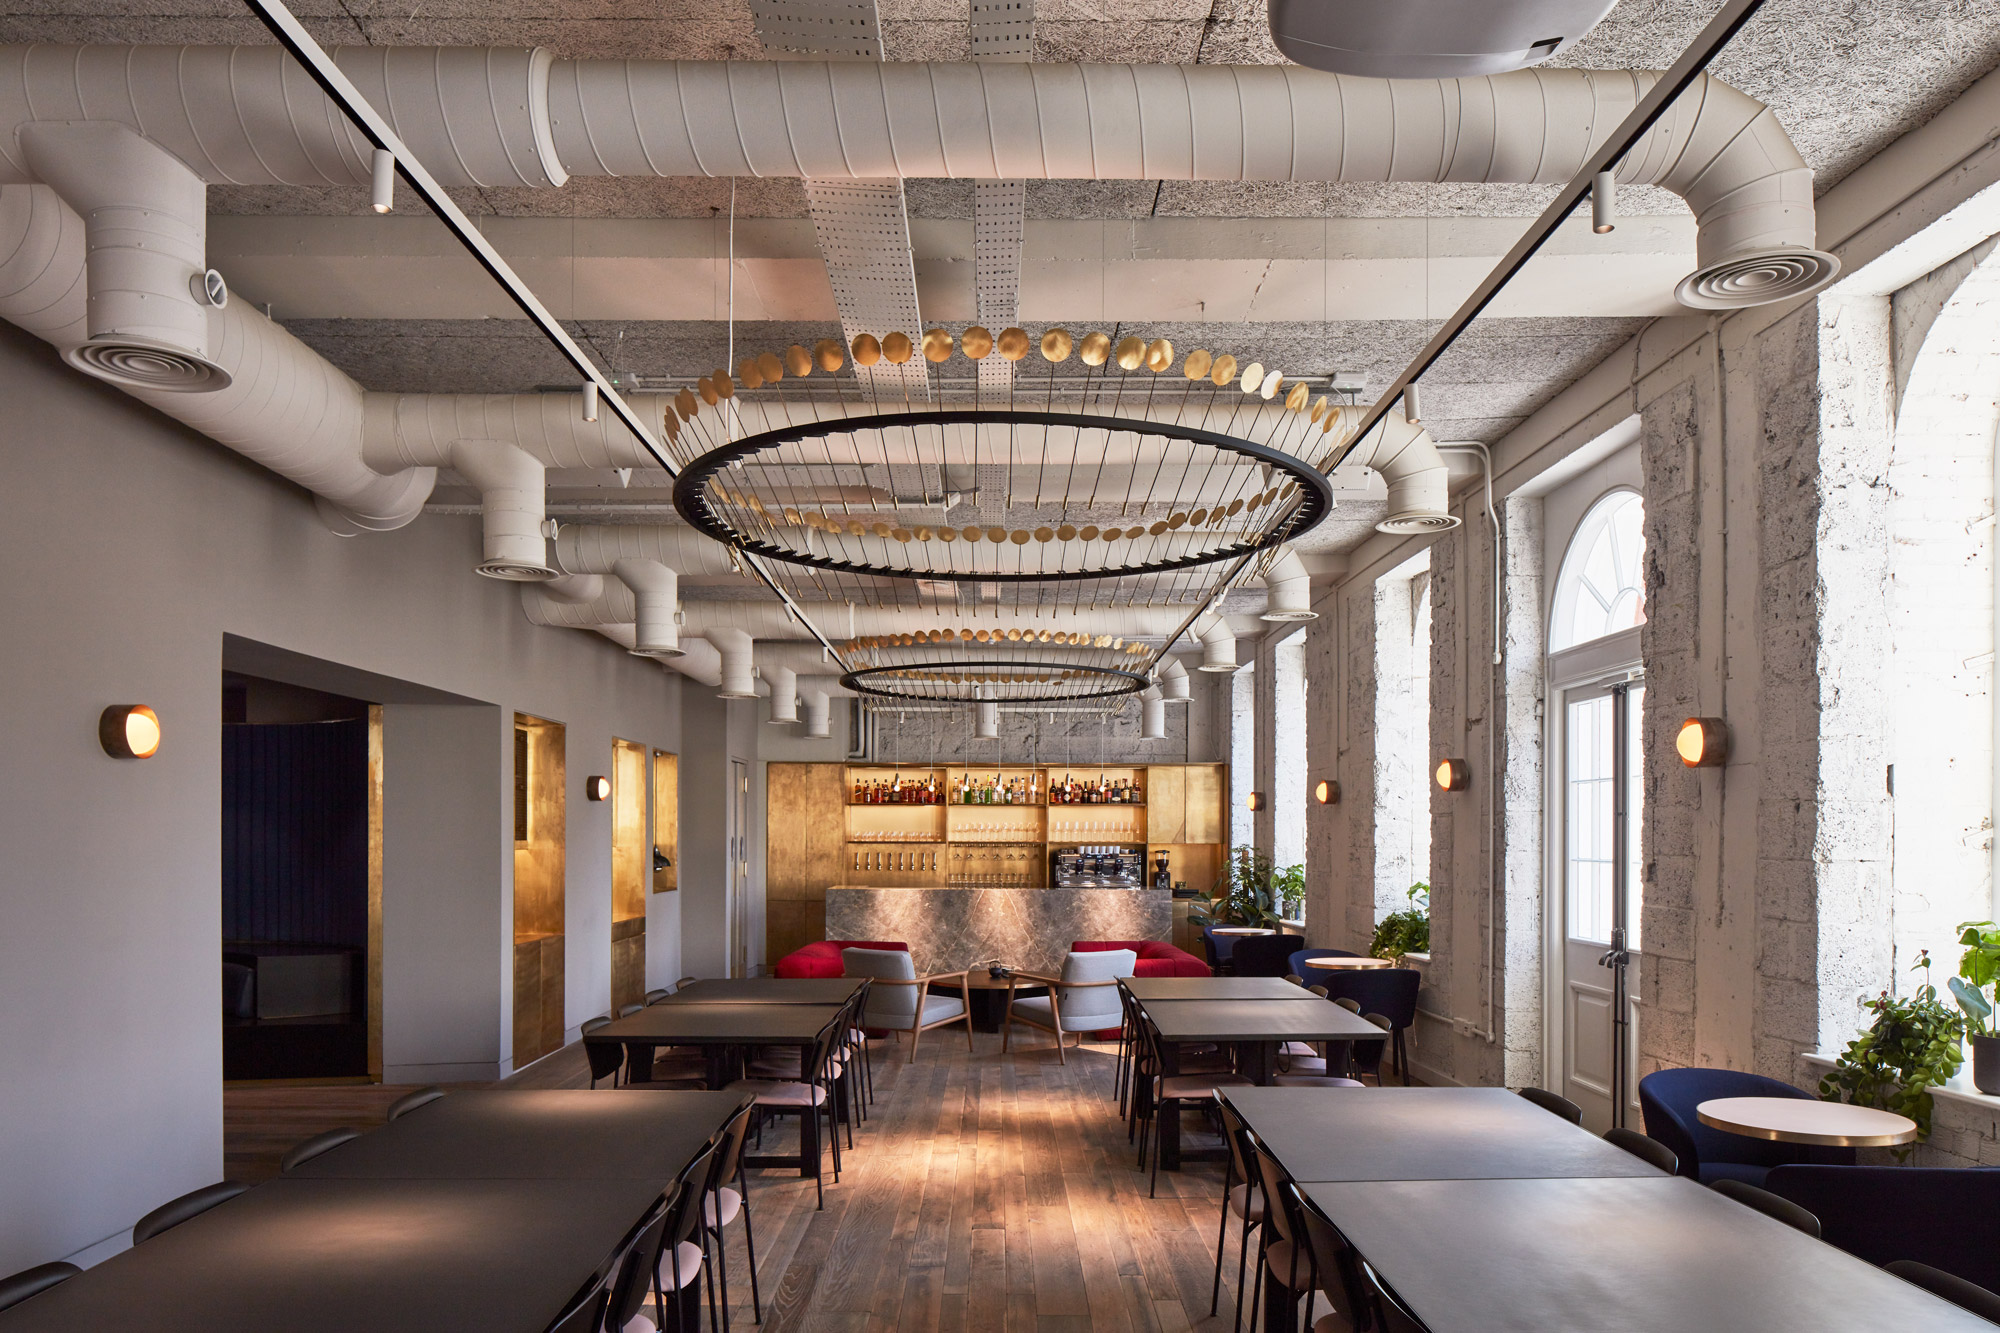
[
  {"x": 863, "y": 226},
  {"x": 1001, "y": 30}
]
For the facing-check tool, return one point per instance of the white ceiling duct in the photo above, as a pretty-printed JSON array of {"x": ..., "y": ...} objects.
[
  {"x": 1720, "y": 150},
  {"x": 739, "y": 670},
  {"x": 496, "y": 116},
  {"x": 819, "y": 714},
  {"x": 574, "y": 587},
  {"x": 597, "y": 548},
  {"x": 784, "y": 683},
  {"x": 699, "y": 662},
  {"x": 512, "y": 494},
  {"x": 1405, "y": 39},
  {"x": 285, "y": 406},
  {"x": 656, "y": 598},
  {"x": 1218, "y": 644},
  {"x": 145, "y": 220},
  {"x": 1152, "y": 714},
  {"x": 421, "y": 429},
  {"x": 1408, "y": 459},
  {"x": 1289, "y": 587},
  {"x": 1174, "y": 682}
]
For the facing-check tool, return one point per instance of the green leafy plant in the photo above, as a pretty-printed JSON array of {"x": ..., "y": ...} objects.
[
  {"x": 1978, "y": 969},
  {"x": 1911, "y": 1047},
  {"x": 1405, "y": 931},
  {"x": 1251, "y": 892}
]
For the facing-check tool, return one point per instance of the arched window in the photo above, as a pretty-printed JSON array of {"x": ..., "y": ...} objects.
[{"x": 1601, "y": 589}]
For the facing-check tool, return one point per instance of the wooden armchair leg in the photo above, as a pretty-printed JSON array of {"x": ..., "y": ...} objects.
[{"x": 1055, "y": 1015}]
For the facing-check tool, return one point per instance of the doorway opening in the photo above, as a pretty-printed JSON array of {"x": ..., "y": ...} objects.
[
  {"x": 540, "y": 842},
  {"x": 301, "y": 883},
  {"x": 628, "y": 873}
]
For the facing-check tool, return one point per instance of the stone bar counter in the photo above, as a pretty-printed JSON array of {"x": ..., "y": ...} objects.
[{"x": 1027, "y": 928}]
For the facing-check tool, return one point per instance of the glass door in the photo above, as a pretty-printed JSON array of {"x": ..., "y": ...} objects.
[{"x": 1600, "y": 812}]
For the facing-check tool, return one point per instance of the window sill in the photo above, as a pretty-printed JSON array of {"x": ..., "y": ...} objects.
[
  {"x": 1418, "y": 959},
  {"x": 1960, "y": 1089}
]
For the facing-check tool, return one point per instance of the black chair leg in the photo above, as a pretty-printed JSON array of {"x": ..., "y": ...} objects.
[
  {"x": 1221, "y": 1236},
  {"x": 750, "y": 1244},
  {"x": 1243, "y": 1262},
  {"x": 722, "y": 1268}
]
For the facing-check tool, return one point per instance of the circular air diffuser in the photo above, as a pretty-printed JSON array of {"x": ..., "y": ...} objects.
[
  {"x": 1757, "y": 278},
  {"x": 1416, "y": 524},
  {"x": 515, "y": 571},
  {"x": 140, "y": 363}
]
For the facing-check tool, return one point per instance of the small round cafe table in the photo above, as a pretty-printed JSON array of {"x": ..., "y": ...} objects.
[
  {"x": 1242, "y": 930},
  {"x": 1799, "y": 1120},
  {"x": 1348, "y": 964}
]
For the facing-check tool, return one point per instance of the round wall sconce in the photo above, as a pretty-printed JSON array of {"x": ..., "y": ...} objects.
[
  {"x": 1256, "y": 800},
  {"x": 1326, "y": 791},
  {"x": 1703, "y": 742},
  {"x": 129, "y": 731},
  {"x": 1453, "y": 775},
  {"x": 597, "y": 789}
]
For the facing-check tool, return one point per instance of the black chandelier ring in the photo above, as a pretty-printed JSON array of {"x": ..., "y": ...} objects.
[
  {"x": 1303, "y": 500},
  {"x": 1060, "y": 682}
]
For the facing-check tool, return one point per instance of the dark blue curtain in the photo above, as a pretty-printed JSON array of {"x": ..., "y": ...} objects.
[{"x": 295, "y": 833}]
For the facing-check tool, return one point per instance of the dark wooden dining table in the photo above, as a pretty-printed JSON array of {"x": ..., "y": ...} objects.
[
  {"x": 1422, "y": 1134},
  {"x": 597, "y": 1134},
  {"x": 767, "y": 990},
  {"x": 1651, "y": 1254},
  {"x": 386, "y": 1255},
  {"x": 724, "y": 1032},
  {"x": 1255, "y": 1028},
  {"x": 1215, "y": 988}
]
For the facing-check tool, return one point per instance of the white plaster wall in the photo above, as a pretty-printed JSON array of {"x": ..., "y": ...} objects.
[{"x": 132, "y": 547}]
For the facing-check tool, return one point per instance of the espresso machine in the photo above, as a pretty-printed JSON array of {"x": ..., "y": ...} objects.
[{"x": 1110, "y": 867}]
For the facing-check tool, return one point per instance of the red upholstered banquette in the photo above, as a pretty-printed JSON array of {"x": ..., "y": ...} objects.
[
  {"x": 1156, "y": 957},
  {"x": 822, "y": 959}
]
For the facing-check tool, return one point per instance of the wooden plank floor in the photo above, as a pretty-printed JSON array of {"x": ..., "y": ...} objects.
[{"x": 989, "y": 1193}]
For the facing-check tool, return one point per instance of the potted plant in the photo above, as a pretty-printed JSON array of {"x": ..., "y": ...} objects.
[
  {"x": 1978, "y": 969},
  {"x": 1911, "y": 1047},
  {"x": 1248, "y": 892},
  {"x": 1407, "y": 930}
]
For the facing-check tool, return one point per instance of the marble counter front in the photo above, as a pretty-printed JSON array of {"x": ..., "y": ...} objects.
[{"x": 949, "y": 929}]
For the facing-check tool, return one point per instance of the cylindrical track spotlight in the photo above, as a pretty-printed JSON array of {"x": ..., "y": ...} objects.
[
  {"x": 590, "y": 400},
  {"x": 1603, "y": 202},
  {"x": 384, "y": 180},
  {"x": 1413, "y": 409}
]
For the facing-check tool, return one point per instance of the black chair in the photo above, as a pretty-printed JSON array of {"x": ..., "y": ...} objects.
[
  {"x": 1389, "y": 991},
  {"x": 655, "y": 996},
  {"x": 1769, "y": 1204},
  {"x": 189, "y": 1206},
  {"x": 1281, "y": 1254},
  {"x": 810, "y": 1094},
  {"x": 1351, "y": 1006},
  {"x": 1945, "y": 1217},
  {"x": 606, "y": 1058},
  {"x": 1554, "y": 1104},
  {"x": 1336, "y": 1267},
  {"x": 627, "y": 1010},
  {"x": 409, "y": 1102},
  {"x": 33, "y": 1282},
  {"x": 239, "y": 991},
  {"x": 1241, "y": 1195},
  {"x": 1668, "y": 1098},
  {"x": 1965, "y": 1295},
  {"x": 1650, "y": 1151},
  {"x": 1166, "y": 1093},
  {"x": 313, "y": 1147},
  {"x": 681, "y": 1257},
  {"x": 1262, "y": 955},
  {"x": 724, "y": 1203},
  {"x": 633, "y": 1279}
]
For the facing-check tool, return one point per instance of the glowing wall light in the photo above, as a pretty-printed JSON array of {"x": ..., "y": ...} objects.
[
  {"x": 1703, "y": 742},
  {"x": 1255, "y": 800},
  {"x": 1453, "y": 775},
  {"x": 1326, "y": 791},
  {"x": 597, "y": 789},
  {"x": 129, "y": 731}
]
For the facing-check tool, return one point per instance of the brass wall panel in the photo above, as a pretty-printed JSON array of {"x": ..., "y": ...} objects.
[
  {"x": 553, "y": 992},
  {"x": 805, "y": 836},
  {"x": 375, "y": 892},
  {"x": 667, "y": 820},
  {"x": 628, "y": 830},
  {"x": 539, "y": 888},
  {"x": 1207, "y": 789},
  {"x": 628, "y": 962},
  {"x": 1166, "y": 803}
]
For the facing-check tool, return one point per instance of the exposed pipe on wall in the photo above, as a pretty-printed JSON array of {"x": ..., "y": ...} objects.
[
  {"x": 656, "y": 604},
  {"x": 1289, "y": 586},
  {"x": 513, "y": 488}
]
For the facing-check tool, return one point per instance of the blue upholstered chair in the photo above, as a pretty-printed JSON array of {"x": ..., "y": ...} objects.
[
  {"x": 1944, "y": 1216},
  {"x": 1388, "y": 991},
  {"x": 1668, "y": 1098},
  {"x": 1262, "y": 955}
]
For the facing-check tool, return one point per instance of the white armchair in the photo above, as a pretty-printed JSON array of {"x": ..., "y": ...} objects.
[
  {"x": 901, "y": 1001},
  {"x": 1083, "y": 999}
]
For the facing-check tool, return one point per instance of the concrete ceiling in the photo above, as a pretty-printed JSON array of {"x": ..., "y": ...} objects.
[{"x": 1315, "y": 279}]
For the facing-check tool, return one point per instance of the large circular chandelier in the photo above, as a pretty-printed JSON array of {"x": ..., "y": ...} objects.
[
  {"x": 1106, "y": 467},
  {"x": 968, "y": 681}
]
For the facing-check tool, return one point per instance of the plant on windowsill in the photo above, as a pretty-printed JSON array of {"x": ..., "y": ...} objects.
[
  {"x": 1910, "y": 1048},
  {"x": 1405, "y": 931},
  {"x": 1250, "y": 892},
  {"x": 1978, "y": 970}
]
